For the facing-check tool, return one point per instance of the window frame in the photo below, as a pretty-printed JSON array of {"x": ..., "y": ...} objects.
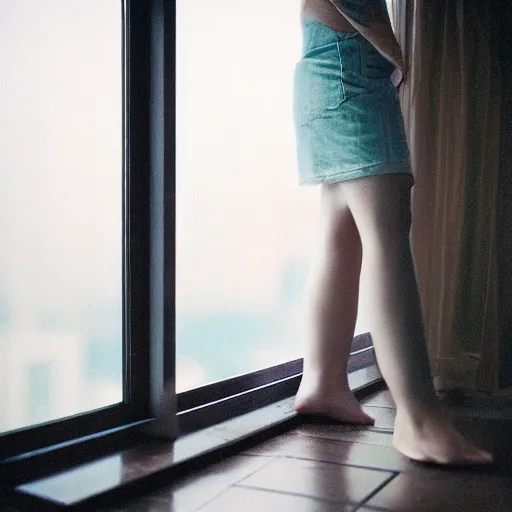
[{"x": 135, "y": 267}]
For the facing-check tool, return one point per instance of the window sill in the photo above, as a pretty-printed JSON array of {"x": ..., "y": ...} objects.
[{"x": 131, "y": 472}]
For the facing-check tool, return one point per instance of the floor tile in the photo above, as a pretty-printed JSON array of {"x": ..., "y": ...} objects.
[
  {"x": 445, "y": 491},
  {"x": 384, "y": 416},
  {"x": 347, "y": 433},
  {"x": 331, "y": 482},
  {"x": 190, "y": 493},
  {"x": 338, "y": 452},
  {"x": 381, "y": 399},
  {"x": 253, "y": 500}
]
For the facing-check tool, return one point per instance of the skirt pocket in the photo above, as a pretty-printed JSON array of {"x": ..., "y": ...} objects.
[{"x": 318, "y": 87}]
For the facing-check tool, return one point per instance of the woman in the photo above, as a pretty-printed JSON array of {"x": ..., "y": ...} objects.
[{"x": 351, "y": 140}]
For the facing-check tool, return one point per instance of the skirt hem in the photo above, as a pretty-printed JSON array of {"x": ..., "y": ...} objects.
[{"x": 396, "y": 167}]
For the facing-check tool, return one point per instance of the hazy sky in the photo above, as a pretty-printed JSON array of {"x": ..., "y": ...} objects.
[
  {"x": 241, "y": 214},
  {"x": 60, "y": 141},
  {"x": 60, "y": 204}
]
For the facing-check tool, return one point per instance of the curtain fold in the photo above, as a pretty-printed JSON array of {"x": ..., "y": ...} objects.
[{"x": 451, "y": 106}]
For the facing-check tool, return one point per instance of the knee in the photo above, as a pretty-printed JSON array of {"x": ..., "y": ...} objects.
[{"x": 343, "y": 236}]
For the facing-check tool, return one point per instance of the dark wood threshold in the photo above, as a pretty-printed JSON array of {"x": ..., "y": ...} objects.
[
  {"x": 212, "y": 404},
  {"x": 113, "y": 478}
]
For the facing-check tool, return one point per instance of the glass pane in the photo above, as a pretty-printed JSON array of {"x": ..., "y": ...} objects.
[
  {"x": 60, "y": 208},
  {"x": 246, "y": 231}
]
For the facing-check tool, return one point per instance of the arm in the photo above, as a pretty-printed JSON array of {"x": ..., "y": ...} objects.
[{"x": 371, "y": 19}]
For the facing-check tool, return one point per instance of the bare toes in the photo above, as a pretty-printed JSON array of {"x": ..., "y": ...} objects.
[{"x": 440, "y": 443}]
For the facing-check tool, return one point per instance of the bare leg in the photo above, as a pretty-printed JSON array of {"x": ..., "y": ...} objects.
[
  {"x": 380, "y": 206},
  {"x": 331, "y": 312}
]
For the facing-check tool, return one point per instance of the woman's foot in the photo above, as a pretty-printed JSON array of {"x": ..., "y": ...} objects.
[
  {"x": 435, "y": 440},
  {"x": 337, "y": 405}
]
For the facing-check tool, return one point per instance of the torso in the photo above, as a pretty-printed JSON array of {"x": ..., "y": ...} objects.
[{"x": 325, "y": 12}]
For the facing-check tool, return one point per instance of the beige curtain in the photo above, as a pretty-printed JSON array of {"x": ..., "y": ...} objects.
[{"x": 451, "y": 105}]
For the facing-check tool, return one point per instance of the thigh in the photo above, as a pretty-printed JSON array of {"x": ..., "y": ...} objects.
[
  {"x": 338, "y": 231},
  {"x": 379, "y": 204}
]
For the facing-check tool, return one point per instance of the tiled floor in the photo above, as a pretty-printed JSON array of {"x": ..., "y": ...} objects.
[{"x": 327, "y": 468}]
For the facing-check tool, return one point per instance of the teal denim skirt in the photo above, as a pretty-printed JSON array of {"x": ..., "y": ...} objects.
[{"x": 348, "y": 120}]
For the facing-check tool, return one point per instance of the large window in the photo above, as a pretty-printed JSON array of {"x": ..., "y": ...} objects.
[
  {"x": 61, "y": 140},
  {"x": 246, "y": 232},
  {"x": 104, "y": 196}
]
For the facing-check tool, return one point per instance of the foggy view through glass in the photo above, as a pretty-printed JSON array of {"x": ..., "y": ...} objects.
[
  {"x": 245, "y": 230},
  {"x": 60, "y": 208}
]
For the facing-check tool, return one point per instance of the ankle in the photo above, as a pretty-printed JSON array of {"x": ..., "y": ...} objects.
[
  {"x": 325, "y": 379},
  {"x": 425, "y": 422},
  {"x": 420, "y": 413}
]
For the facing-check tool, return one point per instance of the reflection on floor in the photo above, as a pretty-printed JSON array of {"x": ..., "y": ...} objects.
[{"x": 320, "y": 468}]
